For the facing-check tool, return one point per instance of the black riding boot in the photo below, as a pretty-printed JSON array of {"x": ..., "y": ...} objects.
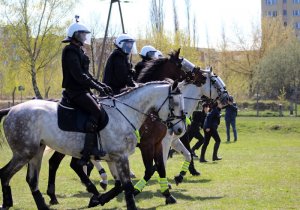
[
  {"x": 202, "y": 156},
  {"x": 90, "y": 148},
  {"x": 215, "y": 153}
]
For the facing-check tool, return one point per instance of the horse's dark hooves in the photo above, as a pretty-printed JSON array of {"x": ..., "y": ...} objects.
[
  {"x": 103, "y": 186},
  {"x": 135, "y": 192},
  {"x": 169, "y": 186},
  {"x": 171, "y": 200},
  {"x": 4, "y": 208},
  {"x": 131, "y": 207},
  {"x": 94, "y": 201},
  {"x": 53, "y": 202},
  {"x": 178, "y": 179}
]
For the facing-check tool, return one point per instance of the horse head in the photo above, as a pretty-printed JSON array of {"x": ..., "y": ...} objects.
[
  {"x": 214, "y": 87},
  {"x": 176, "y": 118},
  {"x": 163, "y": 68}
]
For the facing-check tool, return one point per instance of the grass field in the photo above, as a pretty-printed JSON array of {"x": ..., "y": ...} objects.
[{"x": 260, "y": 171}]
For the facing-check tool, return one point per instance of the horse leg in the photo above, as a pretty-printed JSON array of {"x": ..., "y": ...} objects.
[
  {"x": 186, "y": 142},
  {"x": 102, "y": 172},
  {"x": 54, "y": 162},
  {"x": 147, "y": 151},
  {"x": 153, "y": 133},
  {"x": 116, "y": 190},
  {"x": 179, "y": 147},
  {"x": 6, "y": 173},
  {"x": 159, "y": 162},
  {"x": 32, "y": 178},
  {"x": 90, "y": 187},
  {"x": 124, "y": 174}
]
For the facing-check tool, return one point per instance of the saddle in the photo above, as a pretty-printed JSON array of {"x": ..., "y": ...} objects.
[{"x": 71, "y": 118}]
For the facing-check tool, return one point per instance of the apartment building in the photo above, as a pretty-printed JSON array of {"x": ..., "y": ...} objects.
[{"x": 289, "y": 10}]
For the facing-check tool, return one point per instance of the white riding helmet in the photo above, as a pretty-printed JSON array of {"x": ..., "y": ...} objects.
[
  {"x": 79, "y": 32},
  {"x": 148, "y": 51},
  {"x": 126, "y": 43}
]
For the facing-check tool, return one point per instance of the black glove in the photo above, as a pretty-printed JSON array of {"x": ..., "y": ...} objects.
[
  {"x": 108, "y": 90},
  {"x": 101, "y": 91}
]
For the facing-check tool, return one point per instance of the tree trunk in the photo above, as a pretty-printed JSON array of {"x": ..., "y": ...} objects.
[{"x": 34, "y": 84}]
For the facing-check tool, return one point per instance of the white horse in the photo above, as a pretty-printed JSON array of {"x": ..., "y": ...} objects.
[
  {"x": 192, "y": 90},
  {"x": 32, "y": 125}
]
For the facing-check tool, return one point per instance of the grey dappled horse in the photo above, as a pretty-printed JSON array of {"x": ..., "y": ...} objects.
[{"x": 32, "y": 125}]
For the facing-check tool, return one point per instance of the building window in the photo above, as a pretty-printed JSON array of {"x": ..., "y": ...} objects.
[
  {"x": 297, "y": 25},
  {"x": 284, "y": 12},
  {"x": 296, "y": 1},
  {"x": 272, "y": 13},
  {"x": 271, "y": 2},
  {"x": 296, "y": 12}
]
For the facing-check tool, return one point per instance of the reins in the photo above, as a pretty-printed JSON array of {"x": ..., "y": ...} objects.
[{"x": 167, "y": 121}]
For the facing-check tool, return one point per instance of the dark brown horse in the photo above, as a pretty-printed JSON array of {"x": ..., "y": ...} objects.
[{"x": 150, "y": 144}]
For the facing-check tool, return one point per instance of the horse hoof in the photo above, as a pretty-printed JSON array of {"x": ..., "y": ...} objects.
[
  {"x": 136, "y": 192},
  {"x": 178, "y": 179},
  {"x": 53, "y": 202},
  {"x": 94, "y": 201},
  {"x": 4, "y": 208},
  {"x": 103, "y": 186},
  {"x": 170, "y": 200},
  {"x": 131, "y": 207},
  {"x": 169, "y": 186}
]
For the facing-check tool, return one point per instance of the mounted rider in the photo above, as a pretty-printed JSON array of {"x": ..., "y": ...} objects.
[
  {"x": 118, "y": 73},
  {"x": 147, "y": 53},
  {"x": 77, "y": 84}
]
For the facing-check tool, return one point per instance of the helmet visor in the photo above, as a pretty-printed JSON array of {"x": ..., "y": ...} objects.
[
  {"x": 151, "y": 54},
  {"x": 129, "y": 47},
  {"x": 83, "y": 37}
]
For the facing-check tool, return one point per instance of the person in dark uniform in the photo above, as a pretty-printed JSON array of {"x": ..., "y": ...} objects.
[
  {"x": 78, "y": 82},
  {"x": 118, "y": 73},
  {"x": 147, "y": 53},
  {"x": 198, "y": 120},
  {"x": 193, "y": 131},
  {"x": 230, "y": 116},
  {"x": 210, "y": 127}
]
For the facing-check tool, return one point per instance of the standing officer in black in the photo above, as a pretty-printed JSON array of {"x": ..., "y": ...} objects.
[
  {"x": 210, "y": 127},
  {"x": 77, "y": 82},
  {"x": 118, "y": 73}
]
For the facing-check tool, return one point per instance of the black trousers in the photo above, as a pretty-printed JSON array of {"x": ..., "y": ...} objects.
[
  {"x": 200, "y": 141},
  {"x": 87, "y": 103},
  {"x": 207, "y": 136}
]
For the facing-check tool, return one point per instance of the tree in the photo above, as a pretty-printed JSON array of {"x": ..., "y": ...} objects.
[
  {"x": 279, "y": 70},
  {"x": 175, "y": 18},
  {"x": 35, "y": 27},
  {"x": 157, "y": 15}
]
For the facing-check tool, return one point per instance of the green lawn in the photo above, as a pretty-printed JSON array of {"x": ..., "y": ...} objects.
[{"x": 260, "y": 171}]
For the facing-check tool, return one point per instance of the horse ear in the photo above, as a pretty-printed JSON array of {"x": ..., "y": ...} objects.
[
  {"x": 210, "y": 69},
  {"x": 174, "y": 85},
  {"x": 177, "y": 52}
]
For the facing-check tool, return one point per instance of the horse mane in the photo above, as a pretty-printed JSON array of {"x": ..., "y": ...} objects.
[
  {"x": 151, "y": 71},
  {"x": 131, "y": 91}
]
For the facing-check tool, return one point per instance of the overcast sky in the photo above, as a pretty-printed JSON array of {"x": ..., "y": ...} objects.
[{"x": 211, "y": 16}]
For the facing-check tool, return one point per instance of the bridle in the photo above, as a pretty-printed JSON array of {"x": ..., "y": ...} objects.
[{"x": 168, "y": 121}]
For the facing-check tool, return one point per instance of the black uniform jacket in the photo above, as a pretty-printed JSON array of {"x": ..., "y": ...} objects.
[
  {"x": 76, "y": 76},
  {"x": 138, "y": 68},
  {"x": 117, "y": 72}
]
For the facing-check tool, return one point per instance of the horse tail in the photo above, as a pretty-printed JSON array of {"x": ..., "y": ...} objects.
[{"x": 4, "y": 112}]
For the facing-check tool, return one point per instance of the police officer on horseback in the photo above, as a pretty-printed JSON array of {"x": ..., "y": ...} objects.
[
  {"x": 77, "y": 84},
  {"x": 118, "y": 73},
  {"x": 147, "y": 53}
]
